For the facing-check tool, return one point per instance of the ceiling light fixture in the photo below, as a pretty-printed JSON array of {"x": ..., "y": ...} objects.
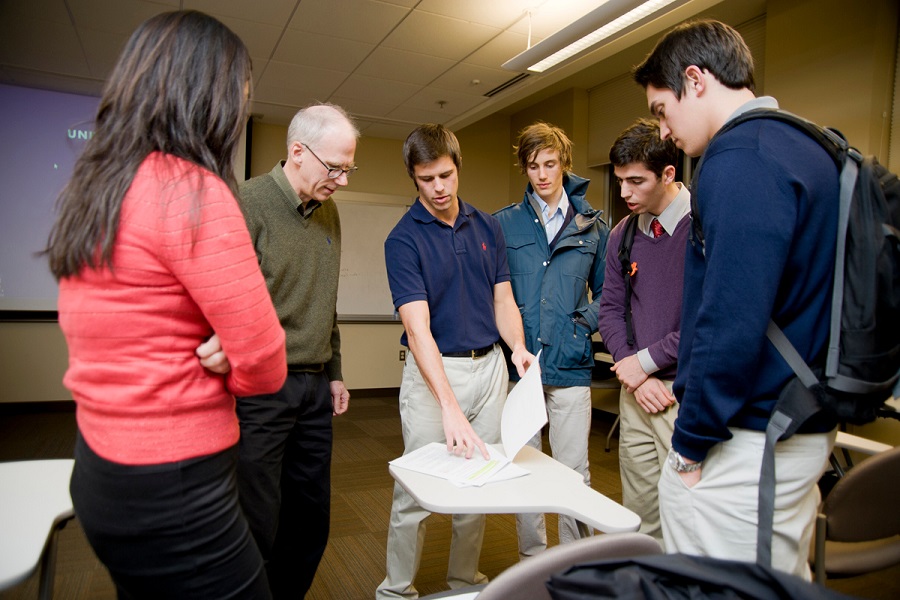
[{"x": 605, "y": 23}]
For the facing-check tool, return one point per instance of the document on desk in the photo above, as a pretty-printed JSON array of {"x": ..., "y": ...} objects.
[
  {"x": 434, "y": 459},
  {"x": 525, "y": 412},
  {"x": 523, "y": 415}
]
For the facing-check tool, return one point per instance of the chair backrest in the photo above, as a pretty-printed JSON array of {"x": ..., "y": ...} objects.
[
  {"x": 862, "y": 506},
  {"x": 525, "y": 580}
]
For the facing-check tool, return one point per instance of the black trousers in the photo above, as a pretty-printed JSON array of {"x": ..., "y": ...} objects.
[
  {"x": 284, "y": 478},
  {"x": 172, "y": 530}
]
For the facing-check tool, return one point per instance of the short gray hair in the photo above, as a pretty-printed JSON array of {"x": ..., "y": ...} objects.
[{"x": 315, "y": 121}]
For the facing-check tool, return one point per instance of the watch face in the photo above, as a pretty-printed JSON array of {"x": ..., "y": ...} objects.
[
  {"x": 675, "y": 461},
  {"x": 672, "y": 460}
]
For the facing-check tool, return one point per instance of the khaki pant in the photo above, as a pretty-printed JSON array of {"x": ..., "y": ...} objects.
[
  {"x": 569, "y": 414},
  {"x": 718, "y": 516},
  {"x": 644, "y": 442},
  {"x": 480, "y": 388}
]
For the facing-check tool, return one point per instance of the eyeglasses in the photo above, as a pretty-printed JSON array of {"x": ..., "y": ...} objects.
[{"x": 333, "y": 172}]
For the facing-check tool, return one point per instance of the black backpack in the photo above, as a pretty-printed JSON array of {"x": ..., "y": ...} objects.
[
  {"x": 628, "y": 271},
  {"x": 862, "y": 363}
]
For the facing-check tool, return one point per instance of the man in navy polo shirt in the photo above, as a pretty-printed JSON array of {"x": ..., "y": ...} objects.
[{"x": 449, "y": 279}]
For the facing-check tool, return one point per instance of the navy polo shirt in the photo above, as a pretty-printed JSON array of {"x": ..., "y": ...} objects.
[{"x": 453, "y": 268}]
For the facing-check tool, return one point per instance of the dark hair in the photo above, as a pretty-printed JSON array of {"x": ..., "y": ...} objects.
[
  {"x": 178, "y": 87},
  {"x": 640, "y": 143},
  {"x": 709, "y": 45},
  {"x": 543, "y": 136},
  {"x": 427, "y": 143}
]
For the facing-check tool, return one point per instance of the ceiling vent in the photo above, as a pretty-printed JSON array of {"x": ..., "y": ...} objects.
[{"x": 506, "y": 85}]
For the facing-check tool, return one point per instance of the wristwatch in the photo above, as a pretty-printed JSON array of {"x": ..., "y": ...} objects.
[{"x": 676, "y": 461}]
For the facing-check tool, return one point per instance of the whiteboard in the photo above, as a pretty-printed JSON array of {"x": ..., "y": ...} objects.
[{"x": 366, "y": 221}]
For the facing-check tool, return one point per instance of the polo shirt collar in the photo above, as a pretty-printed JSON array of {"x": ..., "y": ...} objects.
[{"x": 421, "y": 214}]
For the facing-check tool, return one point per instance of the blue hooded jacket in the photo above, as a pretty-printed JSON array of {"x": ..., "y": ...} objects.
[{"x": 551, "y": 288}]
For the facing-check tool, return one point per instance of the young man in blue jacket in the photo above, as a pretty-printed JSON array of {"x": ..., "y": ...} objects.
[
  {"x": 767, "y": 198},
  {"x": 556, "y": 247}
]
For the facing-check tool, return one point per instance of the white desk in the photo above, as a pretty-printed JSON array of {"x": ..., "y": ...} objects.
[
  {"x": 34, "y": 501},
  {"x": 550, "y": 486},
  {"x": 860, "y": 444}
]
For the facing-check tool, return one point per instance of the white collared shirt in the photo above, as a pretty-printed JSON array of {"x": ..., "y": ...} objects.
[
  {"x": 672, "y": 215},
  {"x": 553, "y": 222}
]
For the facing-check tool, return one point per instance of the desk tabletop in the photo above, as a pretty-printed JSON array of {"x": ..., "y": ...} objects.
[
  {"x": 550, "y": 486},
  {"x": 34, "y": 499}
]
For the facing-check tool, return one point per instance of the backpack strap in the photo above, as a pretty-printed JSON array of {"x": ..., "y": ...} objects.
[
  {"x": 624, "y": 256},
  {"x": 794, "y": 406}
]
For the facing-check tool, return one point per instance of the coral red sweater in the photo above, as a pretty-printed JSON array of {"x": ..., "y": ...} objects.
[{"x": 179, "y": 275}]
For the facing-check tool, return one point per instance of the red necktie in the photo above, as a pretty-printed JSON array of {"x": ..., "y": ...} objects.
[{"x": 657, "y": 228}]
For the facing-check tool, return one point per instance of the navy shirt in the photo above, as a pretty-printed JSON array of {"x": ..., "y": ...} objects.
[
  {"x": 767, "y": 197},
  {"x": 454, "y": 269}
]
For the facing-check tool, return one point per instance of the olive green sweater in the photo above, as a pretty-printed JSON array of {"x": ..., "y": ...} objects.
[{"x": 299, "y": 254}]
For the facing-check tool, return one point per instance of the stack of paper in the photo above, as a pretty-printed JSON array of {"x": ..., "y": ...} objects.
[{"x": 524, "y": 414}]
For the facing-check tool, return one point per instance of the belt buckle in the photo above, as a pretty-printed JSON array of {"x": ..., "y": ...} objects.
[{"x": 472, "y": 352}]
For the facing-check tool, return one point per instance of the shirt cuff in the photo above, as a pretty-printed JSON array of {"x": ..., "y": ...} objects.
[{"x": 646, "y": 361}]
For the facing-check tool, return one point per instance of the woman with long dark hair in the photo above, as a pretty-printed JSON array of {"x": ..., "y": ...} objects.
[{"x": 155, "y": 266}]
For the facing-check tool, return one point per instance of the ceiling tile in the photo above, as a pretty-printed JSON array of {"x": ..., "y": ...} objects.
[
  {"x": 42, "y": 46},
  {"x": 313, "y": 49},
  {"x": 396, "y": 132},
  {"x": 102, "y": 49},
  {"x": 495, "y": 13},
  {"x": 461, "y": 77},
  {"x": 275, "y": 113},
  {"x": 363, "y": 106},
  {"x": 300, "y": 78},
  {"x": 361, "y": 20},
  {"x": 273, "y": 12},
  {"x": 260, "y": 38},
  {"x": 360, "y": 86},
  {"x": 85, "y": 86},
  {"x": 280, "y": 96},
  {"x": 122, "y": 16},
  {"x": 406, "y": 3},
  {"x": 499, "y": 50},
  {"x": 399, "y": 65},
  {"x": 430, "y": 98},
  {"x": 439, "y": 36},
  {"x": 44, "y": 10},
  {"x": 420, "y": 115}
]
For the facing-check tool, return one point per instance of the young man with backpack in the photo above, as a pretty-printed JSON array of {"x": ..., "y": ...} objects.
[
  {"x": 640, "y": 309},
  {"x": 767, "y": 198}
]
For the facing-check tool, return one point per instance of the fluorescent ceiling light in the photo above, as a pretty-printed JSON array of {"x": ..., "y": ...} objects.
[{"x": 612, "y": 19}]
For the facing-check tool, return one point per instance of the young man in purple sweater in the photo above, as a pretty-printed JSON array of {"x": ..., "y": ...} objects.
[{"x": 644, "y": 166}]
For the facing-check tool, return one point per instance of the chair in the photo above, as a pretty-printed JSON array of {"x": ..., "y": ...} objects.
[
  {"x": 858, "y": 525},
  {"x": 603, "y": 379},
  {"x": 525, "y": 580},
  {"x": 34, "y": 505}
]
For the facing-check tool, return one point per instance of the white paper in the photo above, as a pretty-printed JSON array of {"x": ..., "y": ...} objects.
[
  {"x": 525, "y": 412},
  {"x": 434, "y": 459},
  {"x": 509, "y": 471}
]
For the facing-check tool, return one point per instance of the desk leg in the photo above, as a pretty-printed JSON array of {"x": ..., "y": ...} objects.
[{"x": 48, "y": 563}]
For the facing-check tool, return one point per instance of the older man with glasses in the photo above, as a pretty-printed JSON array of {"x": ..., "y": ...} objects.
[{"x": 284, "y": 466}]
